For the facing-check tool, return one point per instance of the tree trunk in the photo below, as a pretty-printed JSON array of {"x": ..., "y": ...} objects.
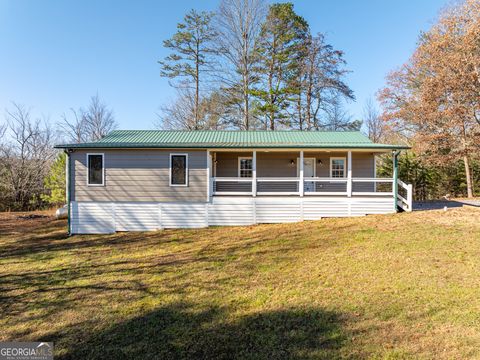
[
  {"x": 245, "y": 111},
  {"x": 246, "y": 115},
  {"x": 246, "y": 83},
  {"x": 270, "y": 85},
  {"x": 196, "y": 95},
  {"x": 197, "y": 81},
  {"x": 272, "y": 120},
  {"x": 270, "y": 98},
  {"x": 308, "y": 103},
  {"x": 468, "y": 176},
  {"x": 299, "y": 109}
]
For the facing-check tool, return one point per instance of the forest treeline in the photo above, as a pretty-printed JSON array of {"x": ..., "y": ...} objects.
[
  {"x": 250, "y": 65},
  {"x": 32, "y": 172}
]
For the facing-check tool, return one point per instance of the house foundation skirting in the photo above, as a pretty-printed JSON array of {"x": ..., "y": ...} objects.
[{"x": 109, "y": 217}]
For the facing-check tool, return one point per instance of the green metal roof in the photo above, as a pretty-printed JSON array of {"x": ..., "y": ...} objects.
[{"x": 232, "y": 139}]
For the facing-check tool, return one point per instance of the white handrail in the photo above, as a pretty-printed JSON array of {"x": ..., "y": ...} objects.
[
  {"x": 402, "y": 184},
  {"x": 309, "y": 179},
  {"x": 377, "y": 180},
  {"x": 406, "y": 204},
  {"x": 318, "y": 179},
  {"x": 278, "y": 179},
  {"x": 232, "y": 179}
]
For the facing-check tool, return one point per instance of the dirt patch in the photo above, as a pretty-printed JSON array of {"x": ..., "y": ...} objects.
[{"x": 22, "y": 222}]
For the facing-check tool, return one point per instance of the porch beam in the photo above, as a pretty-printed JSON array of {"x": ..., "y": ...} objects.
[
  {"x": 254, "y": 173},
  {"x": 349, "y": 174},
  {"x": 395, "y": 179},
  {"x": 300, "y": 184}
]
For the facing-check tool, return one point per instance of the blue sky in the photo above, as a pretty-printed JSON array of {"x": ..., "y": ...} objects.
[{"x": 55, "y": 54}]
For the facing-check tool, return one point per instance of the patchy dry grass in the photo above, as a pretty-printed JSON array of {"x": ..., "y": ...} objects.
[{"x": 393, "y": 287}]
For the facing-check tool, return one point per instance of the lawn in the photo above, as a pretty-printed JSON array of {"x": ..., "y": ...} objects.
[{"x": 388, "y": 286}]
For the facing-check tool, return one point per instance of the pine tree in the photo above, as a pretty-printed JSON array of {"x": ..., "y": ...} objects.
[
  {"x": 279, "y": 48},
  {"x": 192, "y": 45},
  {"x": 55, "y": 181}
]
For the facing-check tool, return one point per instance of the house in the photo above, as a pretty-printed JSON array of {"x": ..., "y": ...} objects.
[{"x": 148, "y": 180}]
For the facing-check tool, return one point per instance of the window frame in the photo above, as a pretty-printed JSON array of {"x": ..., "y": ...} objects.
[
  {"x": 186, "y": 169},
  {"x": 103, "y": 169},
  {"x": 344, "y": 166},
  {"x": 240, "y": 158}
]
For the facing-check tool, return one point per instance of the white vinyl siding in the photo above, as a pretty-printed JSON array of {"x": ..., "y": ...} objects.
[
  {"x": 139, "y": 176},
  {"x": 108, "y": 217}
]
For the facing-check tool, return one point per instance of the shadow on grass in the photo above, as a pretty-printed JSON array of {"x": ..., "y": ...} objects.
[{"x": 181, "y": 331}]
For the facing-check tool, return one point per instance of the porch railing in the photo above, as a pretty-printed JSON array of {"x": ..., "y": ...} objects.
[
  {"x": 405, "y": 196},
  {"x": 293, "y": 185}
]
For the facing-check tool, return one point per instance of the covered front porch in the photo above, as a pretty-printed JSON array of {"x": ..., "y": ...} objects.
[{"x": 302, "y": 173}]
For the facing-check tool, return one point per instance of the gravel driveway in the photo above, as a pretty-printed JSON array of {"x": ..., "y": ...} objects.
[{"x": 440, "y": 204}]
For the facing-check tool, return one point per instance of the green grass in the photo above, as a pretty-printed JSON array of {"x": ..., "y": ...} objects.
[{"x": 382, "y": 287}]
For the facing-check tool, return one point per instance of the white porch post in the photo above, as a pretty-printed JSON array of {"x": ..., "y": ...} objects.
[
  {"x": 349, "y": 174},
  {"x": 254, "y": 173},
  {"x": 209, "y": 176},
  {"x": 300, "y": 184},
  {"x": 395, "y": 179}
]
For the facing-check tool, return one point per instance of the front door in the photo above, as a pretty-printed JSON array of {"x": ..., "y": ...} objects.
[{"x": 308, "y": 172}]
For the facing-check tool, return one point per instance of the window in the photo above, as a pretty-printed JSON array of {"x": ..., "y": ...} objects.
[
  {"x": 95, "y": 170},
  {"x": 337, "y": 167},
  {"x": 245, "y": 167},
  {"x": 178, "y": 170}
]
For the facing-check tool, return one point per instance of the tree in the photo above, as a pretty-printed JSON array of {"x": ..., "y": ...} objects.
[
  {"x": 55, "y": 181},
  {"x": 88, "y": 124},
  {"x": 281, "y": 39},
  {"x": 373, "y": 122},
  {"x": 24, "y": 160},
  {"x": 238, "y": 23},
  {"x": 99, "y": 119},
  {"x": 319, "y": 80},
  {"x": 178, "y": 114},
  {"x": 433, "y": 99},
  {"x": 75, "y": 130},
  {"x": 425, "y": 179},
  {"x": 338, "y": 118},
  {"x": 192, "y": 45}
]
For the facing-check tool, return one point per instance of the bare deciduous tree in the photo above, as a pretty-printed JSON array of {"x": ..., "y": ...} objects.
[
  {"x": 324, "y": 81},
  {"x": 338, "y": 118},
  {"x": 25, "y": 159},
  {"x": 99, "y": 119},
  {"x": 239, "y": 23},
  {"x": 87, "y": 125},
  {"x": 74, "y": 129},
  {"x": 178, "y": 114},
  {"x": 373, "y": 122}
]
